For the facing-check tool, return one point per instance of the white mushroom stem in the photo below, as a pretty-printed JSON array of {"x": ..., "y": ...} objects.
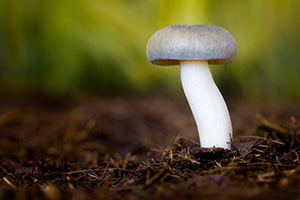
[{"x": 207, "y": 104}]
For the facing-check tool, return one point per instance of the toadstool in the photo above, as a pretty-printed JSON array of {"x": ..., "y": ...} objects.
[{"x": 194, "y": 47}]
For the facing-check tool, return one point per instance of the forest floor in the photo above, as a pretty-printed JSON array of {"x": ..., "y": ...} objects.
[{"x": 144, "y": 147}]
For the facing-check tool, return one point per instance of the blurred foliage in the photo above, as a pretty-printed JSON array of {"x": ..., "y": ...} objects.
[{"x": 58, "y": 46}]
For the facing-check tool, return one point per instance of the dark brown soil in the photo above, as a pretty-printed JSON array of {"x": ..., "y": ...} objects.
[{"x": 144, "y": 147}]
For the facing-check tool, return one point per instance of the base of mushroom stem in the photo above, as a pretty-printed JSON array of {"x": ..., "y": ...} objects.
[{"x": 208, "y": 154}]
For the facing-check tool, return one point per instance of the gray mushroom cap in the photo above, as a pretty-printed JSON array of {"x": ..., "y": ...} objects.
[{"x": 191, "y": 42}]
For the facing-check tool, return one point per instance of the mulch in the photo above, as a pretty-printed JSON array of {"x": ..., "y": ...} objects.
[{"x": 142, "y": 148}]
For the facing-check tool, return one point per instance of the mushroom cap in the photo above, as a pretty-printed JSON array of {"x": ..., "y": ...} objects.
[{"x": 191, "y": 42}]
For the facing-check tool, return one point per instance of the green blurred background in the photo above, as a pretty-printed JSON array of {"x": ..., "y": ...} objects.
[{"x": 61, "y": 46}]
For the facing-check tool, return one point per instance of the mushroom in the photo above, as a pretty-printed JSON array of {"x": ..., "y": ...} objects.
[{"x": 194, "y": 47}]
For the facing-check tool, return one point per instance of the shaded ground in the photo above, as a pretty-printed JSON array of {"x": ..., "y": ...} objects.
[{"x": 143, "y": 147}]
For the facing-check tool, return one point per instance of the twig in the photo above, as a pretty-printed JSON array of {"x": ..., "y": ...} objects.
[
  {"x": 93, "y": 175},
  {"x": 154, "y": 178},
  {"x": 191, "y": 140},
  {"x": 103, "y": 176},
  {"x": 149, "y": 166},
  {"x": 96, "y": 170},
  {"x": 259, "y": 137},
  {"x": 270, "y": 124},
  {"x": 260, "y": 151},
  {"x": 9, "y": 183},
  {"x": 291, "y": 171},
  {"x": 218, "y": 164},
  {"x": 12, "y": 115},
  {"x": 126, "y": 160},
  {"x": 86, "y": 130}
]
